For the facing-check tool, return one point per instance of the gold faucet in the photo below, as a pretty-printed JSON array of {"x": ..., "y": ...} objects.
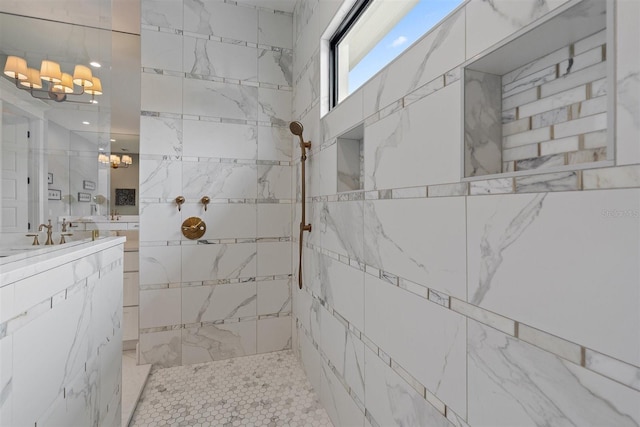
[
  {"x": 66, "y": 224},
  {"x": 49, "y": 232}
]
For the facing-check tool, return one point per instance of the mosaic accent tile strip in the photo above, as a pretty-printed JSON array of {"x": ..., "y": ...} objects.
[{"x": 263, "y": 390}]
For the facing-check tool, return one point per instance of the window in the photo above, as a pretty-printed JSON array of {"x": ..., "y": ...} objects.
[{"x": 374, "y": 33}]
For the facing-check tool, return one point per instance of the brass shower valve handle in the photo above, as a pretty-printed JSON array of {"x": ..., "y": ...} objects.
[
  {"x": 205, "y": 201},
  {"x": 179, "y": 201},
  {"x": 62, "y": 237}
]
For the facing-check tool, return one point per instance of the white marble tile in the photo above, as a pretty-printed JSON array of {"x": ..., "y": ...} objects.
[
  {"x": 220, "y": 261},
  {"x": 274, "y": 220},
  {"x": 340, "y": 228},
  {"x": 438, "y": 52},
  {"x": 418, "y": 146},
  {"x": 489, "y": 23},
  {"x": 275, "y": 143},
  {"x": 162, "y": 349},
  {"x": 448, "y": 190},
  {"x": 336, "y": 400},
  {"x": 213, "y": 58},
  {"x": 219, "y": 180},
  {"x": 274, "y": 106},
  {"x": 274, "y": 182},
  {"x": 167, "y": 100},
  {"x": 209, "y": 303},
  {"x": 491, "y": 186},
  {"x": 130, "y": 325},
  {"x": 514, "y": 383},
  {"x": 620, "y": 177},
  {"x": 161, "y": 13},
  {"x": 310, "y": 361},
  {"x": 274, "y": 296},
  {"x": 221, "y": 19},
  {"x": 160, "y": 265},
  {"x": 435, "y": 356},
  {"x": 224, "y": 221},
  {"x": 6, "y": 374},
  {"x": 306, "y": 89},
  {"x": 322, "y": 172},
  {"x": 220, "y": 140},
  {"x": 342, "y": 287},
  {"x": 561, "y": 181},
  {"x": 627, "y": 82},
  {"x": 274, "y": 334},
  {"x": 223, "y": 100},
  {"x": 274, "y": 66},
  {"x": 612, "y": 368},
  {"x": 274, "y": 258},
  {"x": 161, "y": 136},
  {"x": 512, "y": 234},
  {"x": 501, "y": 323},
  {"x": 160, "y": 178},
  {"x": 159, "y": 307},
  {"x": 38, "y": 375},
  {"x": 160, "y": 50},
  {"x": 275, "y": 29},
  {"x": 574, "y": 79},
  {"x": 342, "y": 117},
  {"x": 392, "y": 401},
  {"x": 160, "y": 221},
  {"x": 391, "y": 244},
  {"x": 216, "y": 342}
]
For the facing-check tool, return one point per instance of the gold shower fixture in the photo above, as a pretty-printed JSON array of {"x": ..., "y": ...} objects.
[{"x": 296, "y": 128}]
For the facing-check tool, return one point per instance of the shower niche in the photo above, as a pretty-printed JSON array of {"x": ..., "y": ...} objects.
[
  {"x": 539, "y": 101},
  {"x": 350, "y": 160}
]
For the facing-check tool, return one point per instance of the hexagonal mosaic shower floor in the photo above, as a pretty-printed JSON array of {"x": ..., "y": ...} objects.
[{"x": 263, "y": 390}]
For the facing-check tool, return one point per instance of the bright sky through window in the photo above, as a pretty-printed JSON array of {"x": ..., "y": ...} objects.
[{"x": 424, "y": 15}]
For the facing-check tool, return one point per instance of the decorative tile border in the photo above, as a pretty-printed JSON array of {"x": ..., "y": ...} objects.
[
  {"x": 228, "y": 241},
  {"x": 615, "y": 177},
  {"x": 215, "y": 322},
  {"x": 220, "y": 282},
  {"x": 609, "y": 367},
  {"x": 194, "y": 76},
  {"x": 147, "y": 113}
]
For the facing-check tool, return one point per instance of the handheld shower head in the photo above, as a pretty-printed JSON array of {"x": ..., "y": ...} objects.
[{"x": 296, "y": 128}]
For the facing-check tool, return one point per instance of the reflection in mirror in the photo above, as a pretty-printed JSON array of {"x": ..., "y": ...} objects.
[{"x": 50, "y": 148}]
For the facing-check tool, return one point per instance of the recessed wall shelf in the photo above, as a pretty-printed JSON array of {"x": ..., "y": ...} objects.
[
  {"x": 350, "y": 160},
  {"x": 539, "y": 100}
]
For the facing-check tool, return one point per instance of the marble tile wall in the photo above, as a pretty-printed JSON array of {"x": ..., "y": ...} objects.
[
  {"x": 61, "y": 337},
  {"x": 216, "y": 102},
  {"x": 433, "y": 300}
]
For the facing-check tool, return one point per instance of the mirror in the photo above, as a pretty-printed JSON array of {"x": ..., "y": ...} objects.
[{"x": 49, "y": 150}]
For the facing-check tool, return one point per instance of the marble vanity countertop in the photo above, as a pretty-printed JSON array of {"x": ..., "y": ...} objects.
[{"x": 30, "y": 262}]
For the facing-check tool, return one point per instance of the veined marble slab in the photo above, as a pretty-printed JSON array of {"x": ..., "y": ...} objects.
[
  {"x": 415, "y": 146},
  {"x": 391, "y": 243},
  {"x": 514, "y": 383},
  {"x": 427, "y": 340},
  {"x": 394, "y": 402},
  {"x": 533, "y": 250}
]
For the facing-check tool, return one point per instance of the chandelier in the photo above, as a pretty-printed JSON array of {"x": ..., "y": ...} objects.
[
  {"x": 115, "y": 161},
  {"x": 50, "y": 83}
]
